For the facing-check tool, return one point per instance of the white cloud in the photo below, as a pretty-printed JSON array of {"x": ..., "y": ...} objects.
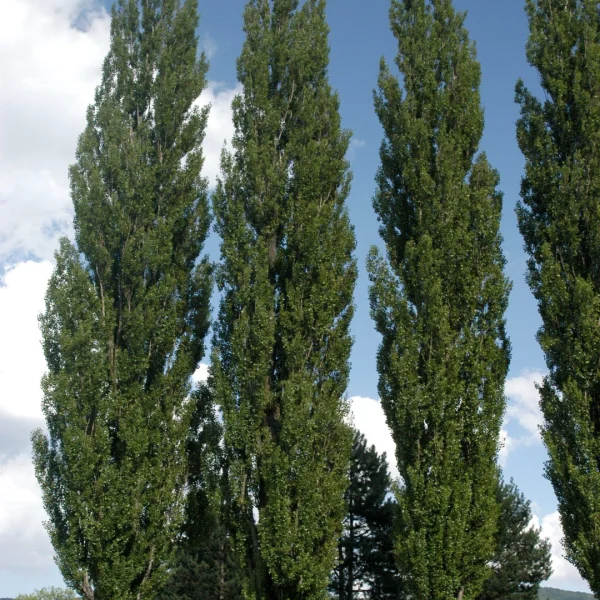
[
  {"x": 506, "y": 447},
  {"x": 524, "y": 404},
  {"x": 48, "y": 71},
  {"x": 369, "y": 419},
  {"x": 24, "y": 543},
  {"x": 21, "y": 357},
  {"x": 201, "y": 374},
  {"x": 219, "y": 129},
  {"x": 523, "y": 411},
  {"x": 565, "y": 575}
]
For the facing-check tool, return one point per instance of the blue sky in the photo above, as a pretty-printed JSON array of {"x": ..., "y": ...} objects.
[
  {"x": 49, "y": 69},
  {"x": 359, "y": 37}
]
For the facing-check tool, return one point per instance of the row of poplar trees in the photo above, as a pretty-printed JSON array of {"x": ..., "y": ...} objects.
[{"x": 128, "y": 310}]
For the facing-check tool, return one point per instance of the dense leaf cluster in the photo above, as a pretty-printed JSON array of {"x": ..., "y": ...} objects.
[
  {"x": 287, "y": 274},
  {"x": 559, "y": 220},
  {"x": 127, "y": 311},
  {"x": 439, "y": 302}
]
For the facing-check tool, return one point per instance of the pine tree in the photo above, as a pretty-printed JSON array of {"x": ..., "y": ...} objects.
[
  {"x": 127, "y": 311},
  {"x": 522, "y": 558},
  {"x": 366, "y": 566},
  {"x": 439, "y": 302},
  {"x": 287, "y": 275},
  {"x": 559, "y": 221},
  {"x": 205, "y": 567}
]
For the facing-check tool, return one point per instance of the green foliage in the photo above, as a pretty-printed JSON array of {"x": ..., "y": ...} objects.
[
  {"x": 287, "y": 275},
  {"x": 366, "y": 567},
  {"x": 127, "y": 311},
  {"x": 522, "y": 559},
  {"x": 49, "y": 593},
  {"x": 205, "y": 567},
  {"x": 439, "y": 302},
  {"x": 559, "y": 220}
]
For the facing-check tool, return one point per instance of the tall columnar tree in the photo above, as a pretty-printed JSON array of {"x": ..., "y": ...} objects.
[
  {"x": 287, "y": 276},
  {"x": 522, "y": 558},
  {"x": 439, "y": 302},
  {"x": 560, "y": 222},
  {"x": 127, "y": 311}
]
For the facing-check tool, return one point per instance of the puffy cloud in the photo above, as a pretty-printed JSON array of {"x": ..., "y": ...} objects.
[
  {"x": 48, "y": 70},
  {"x": 201, "y": 374},
  {"x": 24, "y": 543},
  {"x": 21, "y": 357},
  {"x": 219, "y": 129},
  {"x": 368, "y": 417},
  {"x": 524, "y": 402},
  {"x": 564, "y": 575},
  {"x": 523, "y": 414}
]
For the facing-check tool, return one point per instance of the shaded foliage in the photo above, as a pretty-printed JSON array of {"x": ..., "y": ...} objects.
[
  {"x": 559, "y": 221},
  {"x": 287, "y": 274},
  {"x": 439, "y": 302},
  {"x": 127, "y": 311},
  {"x": 366, "y": 567}
]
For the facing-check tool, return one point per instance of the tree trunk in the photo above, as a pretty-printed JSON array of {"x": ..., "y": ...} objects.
[
  {"x": 222, "y": 570},
  {"x": 341, "y": 578}
]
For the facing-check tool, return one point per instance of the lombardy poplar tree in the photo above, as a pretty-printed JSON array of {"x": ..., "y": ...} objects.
[
  {"x": 127, "y": 311},
  {"x": 560, "y": 222},
  {"x": 439, "y": 302},
  {"x": 287, "y": 276}
]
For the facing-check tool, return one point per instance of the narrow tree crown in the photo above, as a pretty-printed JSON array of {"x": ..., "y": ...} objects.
[
  {"x": 127, "y": 310},
  {"x": 559, "y": 221},
  {"x": 287, "y": 276},
  {"x": 439, "y": 301}
]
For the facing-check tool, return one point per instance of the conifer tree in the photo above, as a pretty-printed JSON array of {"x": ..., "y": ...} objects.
[
  {"x": 522, "y": 558},
  {"x": 439, "y": 302},
  {"x": 287, "y": 275},
  {"x": 205, "y": 566},
  {"x": 127, "y": 311},
  {"x": 559, "y": 221},
  {"x": 366, "y": 568}
]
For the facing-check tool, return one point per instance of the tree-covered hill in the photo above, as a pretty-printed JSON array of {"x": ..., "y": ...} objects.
[{"x": 548, "y": 593}]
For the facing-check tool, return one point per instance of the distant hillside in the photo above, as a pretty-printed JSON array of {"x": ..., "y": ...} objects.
[{"x": 547, "y": 593}]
